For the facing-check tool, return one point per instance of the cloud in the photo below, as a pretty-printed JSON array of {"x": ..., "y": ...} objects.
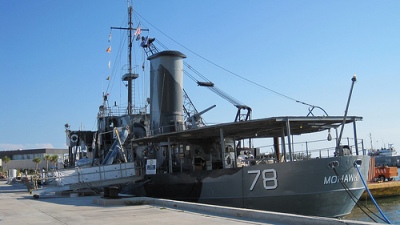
[{"x": 24, "y": 146}]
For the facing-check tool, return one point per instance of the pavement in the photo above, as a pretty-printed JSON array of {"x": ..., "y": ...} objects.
[{"x": 17, "y": 206}]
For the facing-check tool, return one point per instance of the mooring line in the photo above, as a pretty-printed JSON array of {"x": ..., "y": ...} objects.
[
  {"x": 359, "y": 204},
  {"x": 370, "y": 195}
]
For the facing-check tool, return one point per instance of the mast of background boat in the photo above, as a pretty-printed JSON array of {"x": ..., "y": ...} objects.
[{"x": 345, "y": 113}]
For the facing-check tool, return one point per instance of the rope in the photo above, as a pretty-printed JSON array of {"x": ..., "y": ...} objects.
[
  {"x": 370, "y": 195},
  {"x": 355, "y": 200}
]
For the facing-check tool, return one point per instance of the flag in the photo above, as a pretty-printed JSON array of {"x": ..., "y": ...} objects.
[
  {"x": 108, "y": 49},
  {"x": 138, "y": 31}
]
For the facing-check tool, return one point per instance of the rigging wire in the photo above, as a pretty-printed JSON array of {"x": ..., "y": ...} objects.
[
  {"x": 117, "y": 62},
  {"x": 231, "y": 72},
  {"x": 217, "y": 91}
]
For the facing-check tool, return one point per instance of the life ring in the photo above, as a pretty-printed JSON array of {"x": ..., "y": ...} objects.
[
  {"x": 228, "y": 160},
  {"x": 74, "y": 138}
]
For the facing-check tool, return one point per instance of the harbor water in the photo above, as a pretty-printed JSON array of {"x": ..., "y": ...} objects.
[{"x": 390, "y": 207}]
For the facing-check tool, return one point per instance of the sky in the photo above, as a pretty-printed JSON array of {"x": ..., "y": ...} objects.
[{"x": 264, "y": 53}]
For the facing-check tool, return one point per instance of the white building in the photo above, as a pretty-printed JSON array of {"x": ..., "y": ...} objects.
[{"x": 22, "y": 159}]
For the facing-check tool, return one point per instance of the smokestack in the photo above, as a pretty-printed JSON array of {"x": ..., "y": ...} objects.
[{"x": 166, "y": 91}]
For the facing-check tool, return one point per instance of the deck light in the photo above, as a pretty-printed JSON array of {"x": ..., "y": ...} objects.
[{"x": 329, "y": 135}]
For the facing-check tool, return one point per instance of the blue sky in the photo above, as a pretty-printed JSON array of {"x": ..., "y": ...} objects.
[{"x": 54, "y": 64}]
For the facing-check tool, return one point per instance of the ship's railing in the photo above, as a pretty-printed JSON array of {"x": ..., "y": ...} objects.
[
  {"x": 95, "y": 173},
  {"x": 166, "y": 129},
  {"x": 112, "y": 111},
  {"x": 314, "y": 149},
  {"x": 118, "y": 111},
  {"x": 62, "y": 177}
]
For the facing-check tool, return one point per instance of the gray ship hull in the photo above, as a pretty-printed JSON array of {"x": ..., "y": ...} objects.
[{"x": 309, "y": 187}]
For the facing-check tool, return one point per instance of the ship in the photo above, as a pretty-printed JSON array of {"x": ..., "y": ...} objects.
[
  {"x": 385, "y": 156},
  {"x": 173, "y": 154}
]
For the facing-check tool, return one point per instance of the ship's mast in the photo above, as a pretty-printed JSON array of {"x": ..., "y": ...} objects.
[
  {"x": 130, "y": 61},
  {"x": 370, "y": 139},
  {"x": 130, "y": 75}
]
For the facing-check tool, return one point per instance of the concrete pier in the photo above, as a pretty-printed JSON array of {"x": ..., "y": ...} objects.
[
  {"x": 382, "y": 189},
  {"x": 19, "y": 207}
]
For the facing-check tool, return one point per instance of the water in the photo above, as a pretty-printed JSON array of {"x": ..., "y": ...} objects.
[{"x": 390, "y": 207}]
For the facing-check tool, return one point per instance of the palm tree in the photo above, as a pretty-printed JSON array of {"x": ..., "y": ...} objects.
[
  {"x": 36, "y": 160},
  {"x": 54, "y": 159},
  {"x": 47, "y": 158},
  {"x": 6, "y": 159}
]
